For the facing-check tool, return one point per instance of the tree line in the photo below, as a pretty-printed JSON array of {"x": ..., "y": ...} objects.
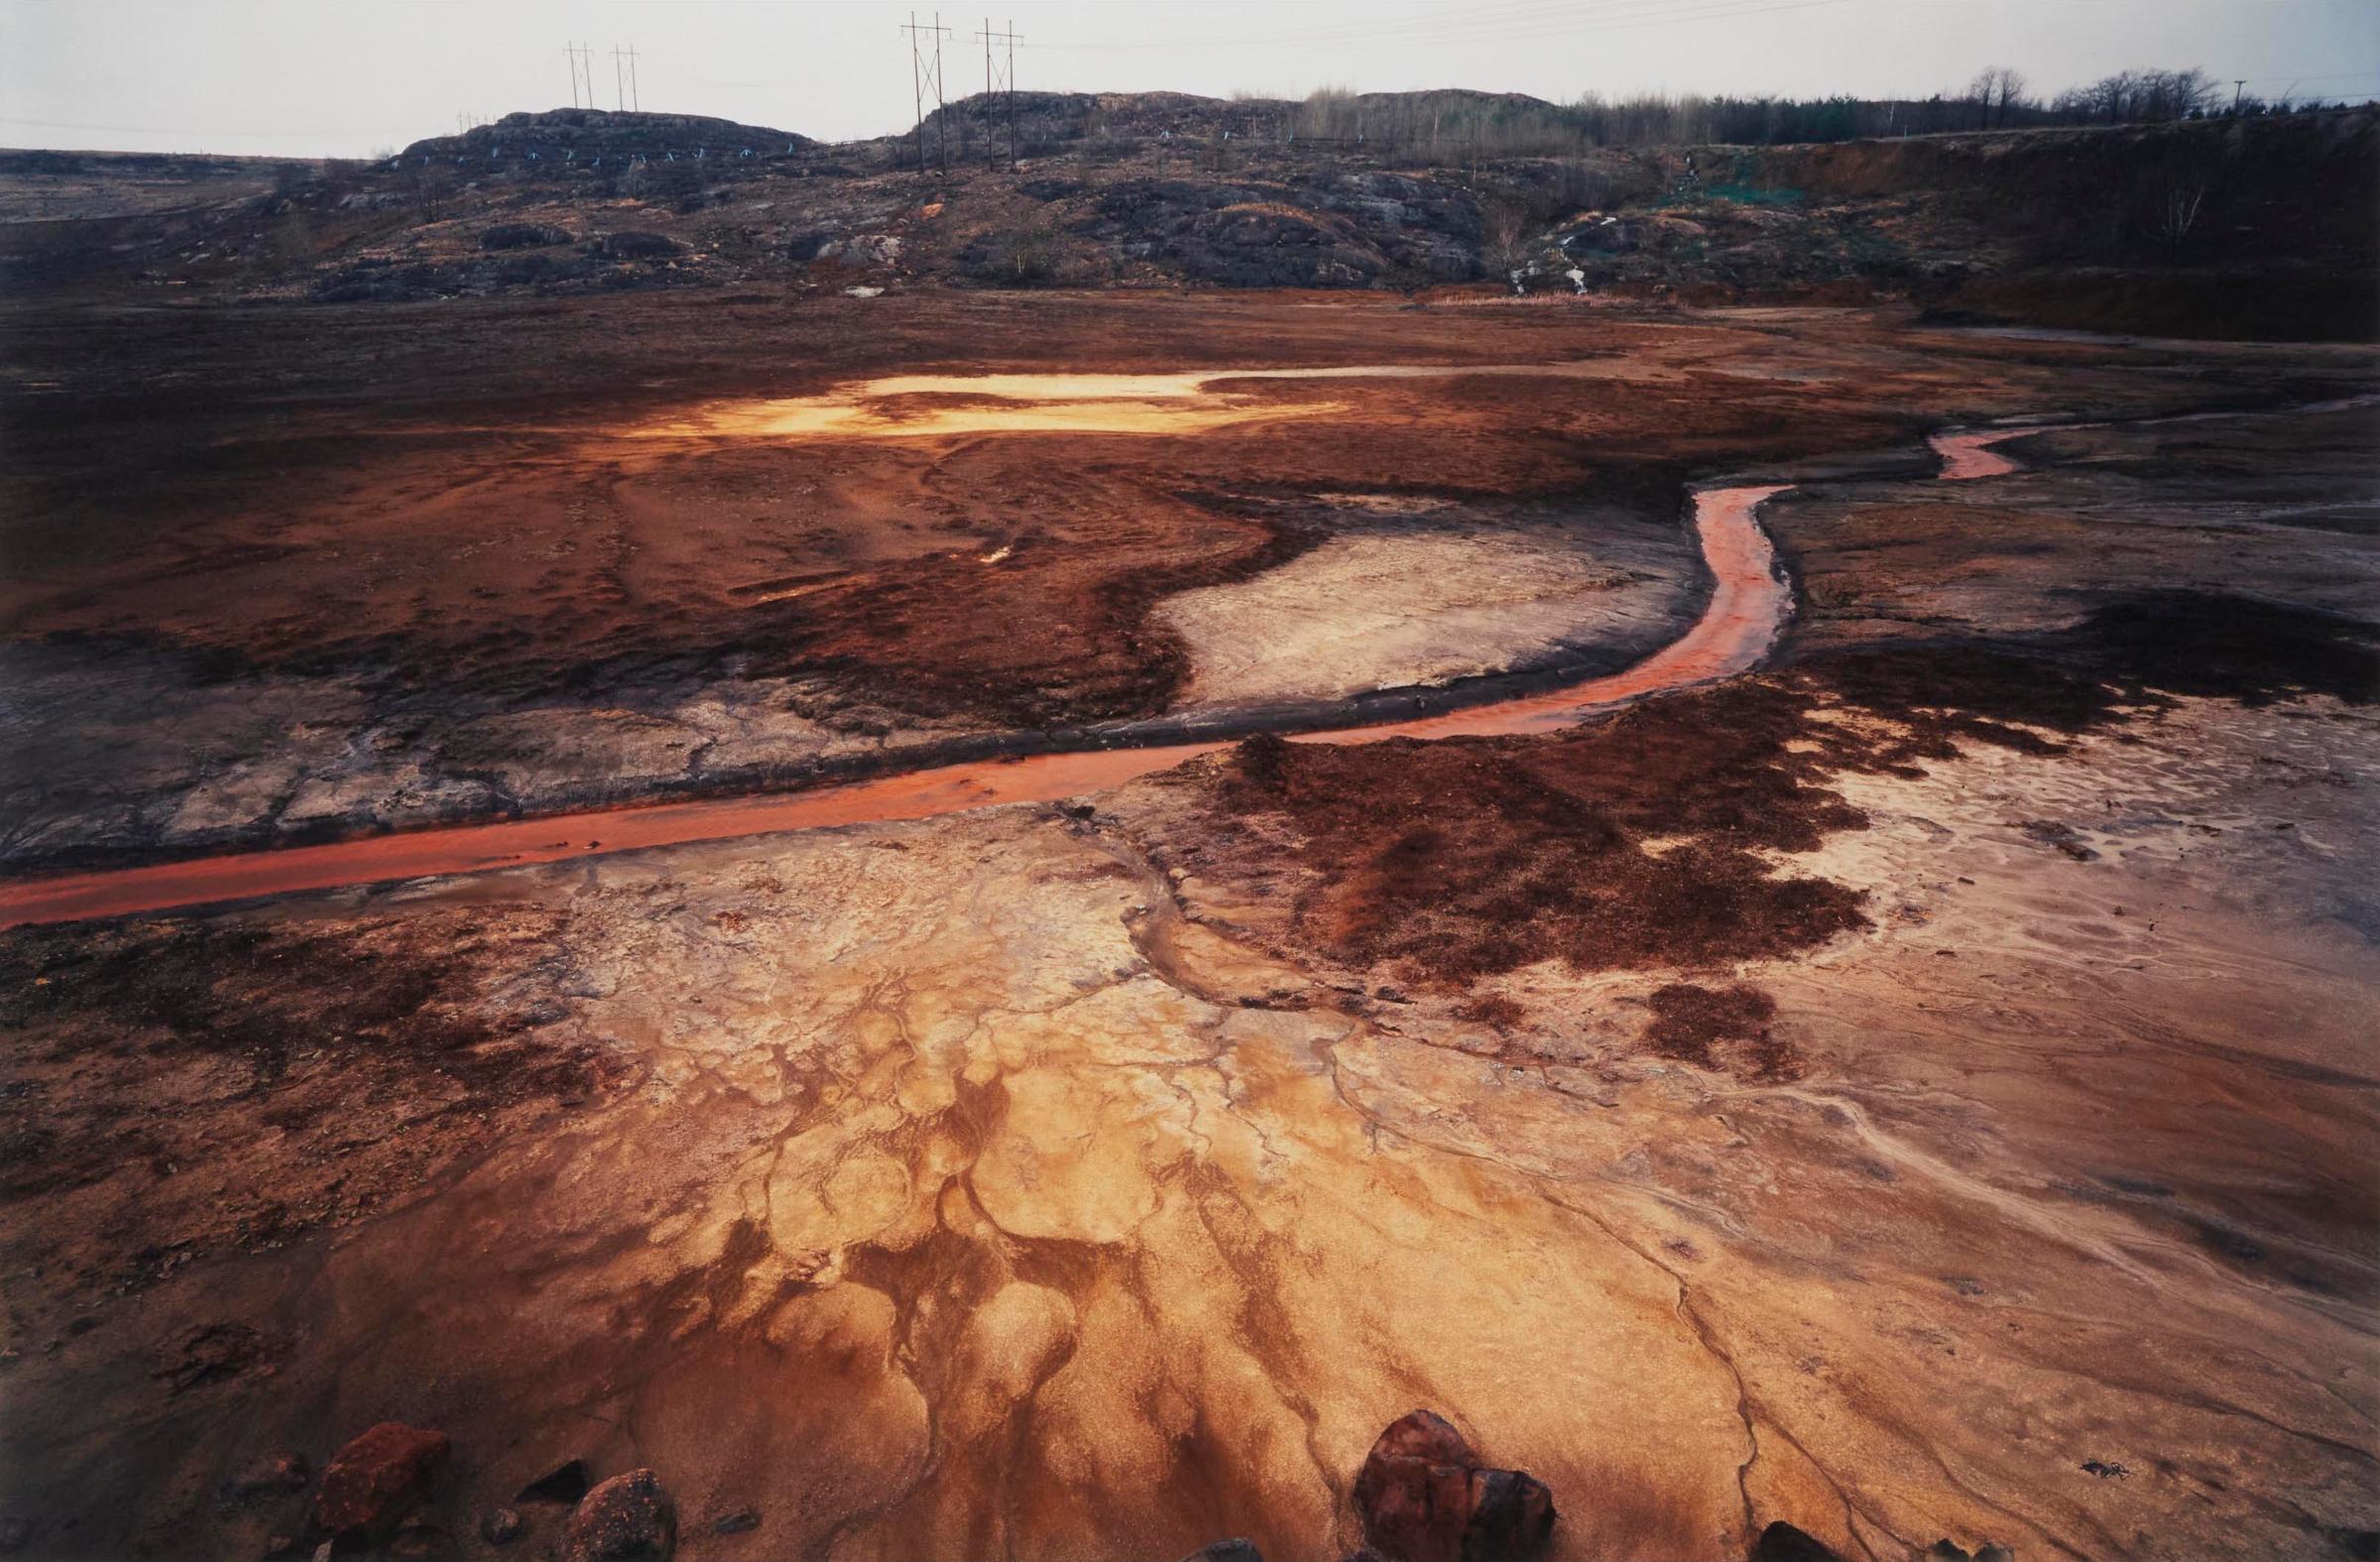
[{"x": 1466, "y": 125}]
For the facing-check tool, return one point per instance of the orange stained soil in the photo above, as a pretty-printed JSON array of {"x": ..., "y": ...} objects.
[{"x": 1746, "y": 606}]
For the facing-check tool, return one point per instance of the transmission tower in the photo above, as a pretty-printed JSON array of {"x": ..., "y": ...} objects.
[
  {"x": 923, "y": 69},
  {"x": 623, "y": 79},
  {"x": 580, "y": 58},
  {"x": 1006, "y": 75}
]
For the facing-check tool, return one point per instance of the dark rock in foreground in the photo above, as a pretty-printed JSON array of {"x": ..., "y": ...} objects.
[
  {"x": 564, "y": 1482},
  {"x": 370, "y": 1483},
  {"x": 1423, "y": 1496},
  {"x": 628, "y": 1519},
  {"x": 1781, "y": 1542}
]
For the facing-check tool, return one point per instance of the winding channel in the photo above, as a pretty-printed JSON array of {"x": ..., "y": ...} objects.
[{"x": 1749, "y": 604}]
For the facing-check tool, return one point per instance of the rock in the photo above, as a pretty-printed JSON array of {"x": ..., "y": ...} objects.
[
  {"x": 265, "y": 1475},
  {"x": 742, "y": 1520},
  {"x": 1234, "y": 1550},
  {"x": 1423, "y": 1496},
  {"x": 499, "y": 1527},
  {"x": 368, "y": 1483},
  {"x": 627, "y": 1518},
  {"x": 564, "y": 1482},
  {"x": 1781, "y": 1542}
]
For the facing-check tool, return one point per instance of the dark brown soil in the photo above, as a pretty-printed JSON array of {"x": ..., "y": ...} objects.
[
  {"x": 139, "y": 1061},
  {"x": 1707, "y": 1026},
  {"x": 1637, "y": 843}
]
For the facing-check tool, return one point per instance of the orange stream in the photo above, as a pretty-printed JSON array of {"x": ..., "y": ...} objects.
[
  {"x": 1971, "y": 455},
  {"x": 1747, "y": 607}
]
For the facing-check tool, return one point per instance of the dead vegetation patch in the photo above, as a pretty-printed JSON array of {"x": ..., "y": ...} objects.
[
  {"x": 1646, "y": 841},
  {"x": 1716, "y": 1027}
]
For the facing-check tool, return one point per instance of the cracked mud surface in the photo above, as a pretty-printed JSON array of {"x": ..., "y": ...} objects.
[{"x": 1880, "y": 1093}]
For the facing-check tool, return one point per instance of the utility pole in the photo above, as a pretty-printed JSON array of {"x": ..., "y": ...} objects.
[
  {"x": 920, "y": 71},
  {"x": 2238, "y": 83},
  {"x": 1008, "y": 36},
  {"x": 571, "y": 58}
]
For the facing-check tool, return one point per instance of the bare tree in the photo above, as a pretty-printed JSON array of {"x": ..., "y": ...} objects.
[
  {"x": 1995, "y": 90},
  {"x": 2140, "y": 96},
  {"x": 1507, "y": 248},
  {"x": 2177, "y": 210},
  {"x": 430, "y": 187}
]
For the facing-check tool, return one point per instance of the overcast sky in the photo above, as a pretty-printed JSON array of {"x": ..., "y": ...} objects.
[{"x": 349, "y": 77}]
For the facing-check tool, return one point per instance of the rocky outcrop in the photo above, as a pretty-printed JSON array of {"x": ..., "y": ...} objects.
[
  {"x": 1424, "y": 1496},
  {"x": 1237, "y": 235},
  {"x": 371, "y": 1483},
  {"x": 561, "y": 137}
]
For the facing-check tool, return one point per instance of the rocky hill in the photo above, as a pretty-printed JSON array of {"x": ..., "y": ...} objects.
[
  {"x": 2255, "y": 227},
  {"x": 591, "y": 136}
]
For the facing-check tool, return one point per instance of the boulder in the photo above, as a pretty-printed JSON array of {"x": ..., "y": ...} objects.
[
  {"x": 628, "y": 1519},
  {"x": 1424, "y": 1496},
  {"x": 370, "y": 1483},
  {"x": 499, "y": 1527}
]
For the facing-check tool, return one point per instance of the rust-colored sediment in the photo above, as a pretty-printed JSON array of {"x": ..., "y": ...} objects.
[{"x": 1735, "y": 629}]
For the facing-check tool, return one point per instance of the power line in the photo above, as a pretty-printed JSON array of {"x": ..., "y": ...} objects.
[{"x": 1465, "y": 27}]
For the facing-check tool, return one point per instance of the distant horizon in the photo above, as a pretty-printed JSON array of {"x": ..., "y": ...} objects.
[
  {"x": 285, "y": 78},
  {"x": 2305, "y": 104}
]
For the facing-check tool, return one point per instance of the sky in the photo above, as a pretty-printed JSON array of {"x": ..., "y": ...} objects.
[{"x": 355, "y": 77}]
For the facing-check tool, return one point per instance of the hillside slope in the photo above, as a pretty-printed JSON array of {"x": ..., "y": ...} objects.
[{"x": 2259, "y": 227}]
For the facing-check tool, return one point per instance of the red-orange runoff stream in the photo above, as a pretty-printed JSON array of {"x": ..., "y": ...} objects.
[{"x": 1747, "y": 605}]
